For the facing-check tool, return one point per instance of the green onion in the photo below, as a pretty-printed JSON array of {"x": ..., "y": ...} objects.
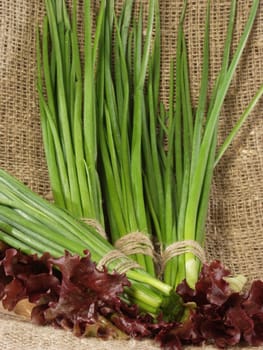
[
  {"x": 178, "y": 181},
  {"x": 120, "y": 128},
  {"x": 206, "y": 146},
  {"x": 104, "y": 127},
  {"x": 238, "y": 125},
  {"x": 30, "y": 223},
  {"x": 68, "y": 109},
  {"x": 104, "y": 130}
]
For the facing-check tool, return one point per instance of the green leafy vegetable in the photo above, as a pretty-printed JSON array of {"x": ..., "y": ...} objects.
[
  {"x": 30, "y": 223},
  {"x": 177, "y": 181}
]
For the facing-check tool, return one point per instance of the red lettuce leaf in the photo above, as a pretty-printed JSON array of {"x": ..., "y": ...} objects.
[
  {"x": 253, "y": 306},
  {"x": 173, "y": 336},
  {"x": 210, "y": 287},
  {"x": 26, "y": 277},
  {"x": 254, "y": 301},
  {"x": 222, "y": 316},
  {"x": 71, "y": 293},
  {"x": 68, "y": 292}
]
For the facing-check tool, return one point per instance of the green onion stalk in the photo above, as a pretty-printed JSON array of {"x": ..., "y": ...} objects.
[
  {"x": 68, "y": 108},
  {"x": 181, "y": 177},
  {"x": 89, "y": 110},
  {"x": 35, "y": 226},
  {"x": 104, "y": 126},
  {"x": 123, "y": 63},
  {"x": 163, "y": 127},
  {"x": 204, "y": 155}
]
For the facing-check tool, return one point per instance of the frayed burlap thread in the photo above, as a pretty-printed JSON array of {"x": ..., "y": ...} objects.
[{"x": 135, "y": 243}]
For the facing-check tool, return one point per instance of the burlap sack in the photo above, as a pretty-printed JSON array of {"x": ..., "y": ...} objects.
[{"x": 235, "y": 222}]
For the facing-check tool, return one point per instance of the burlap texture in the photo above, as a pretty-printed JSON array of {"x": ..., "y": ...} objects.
[{"x": 235, "y": 222}]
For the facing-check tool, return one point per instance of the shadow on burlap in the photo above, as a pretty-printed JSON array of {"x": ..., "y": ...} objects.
[{"x": 235, "y": 220}]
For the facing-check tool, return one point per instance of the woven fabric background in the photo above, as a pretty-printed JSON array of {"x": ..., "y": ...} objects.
[{"x": 235, "y": 220}]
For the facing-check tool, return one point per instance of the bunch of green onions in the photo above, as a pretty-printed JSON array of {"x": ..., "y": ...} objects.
[
  {"x": 104, "y": 128},
  {"x": 86, "y": 111},
  {"x": 120, "y": 84},
  {"x": 113, "y": 142},
  {"x": 35, "y": 226},
  {"x": 69, "y": 121},
  {"x": 178, "y": 181}
]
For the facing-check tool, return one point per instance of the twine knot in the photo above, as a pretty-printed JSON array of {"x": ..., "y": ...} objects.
[
  {"x": 123, "y": 266},
  {"x": 135, "y": 243},
  {"x": 95, "y": 224},
  {"x": 182, "y": 247}
]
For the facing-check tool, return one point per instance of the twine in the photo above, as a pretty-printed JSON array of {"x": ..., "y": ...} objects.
[
  {"x": 135, "y": 243},
  {"x": 123, "y": 266},
  {"x": 127, "y": 265},
  {"x": 182, "y": 247},
  {"x": 95, "y": 224}
]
